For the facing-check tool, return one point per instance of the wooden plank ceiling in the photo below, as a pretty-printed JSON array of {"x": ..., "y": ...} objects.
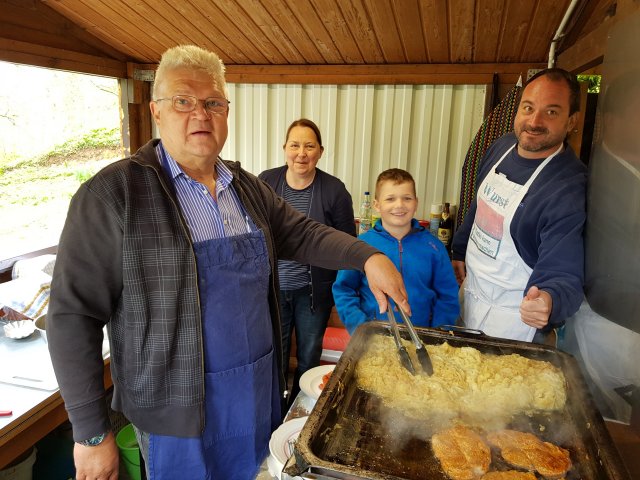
[{"x": 286, "y": 39}]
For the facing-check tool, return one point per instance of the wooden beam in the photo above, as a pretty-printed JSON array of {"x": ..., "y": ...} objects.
[
  {"x": 386, "y": 69},
  {"x": 344, "y": 79},
  {"x": 413, "y": 74},
  {"x": 48, "y": 57},
  {"x": 416, "y": 74},
  {"x": 589, "y": 50},
  {"x": 586, "y": 52}
]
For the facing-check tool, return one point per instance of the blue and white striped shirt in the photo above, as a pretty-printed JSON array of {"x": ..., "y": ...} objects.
[
  {"x": 294, "y": 275},
  {"x": 206, "y": 217}
]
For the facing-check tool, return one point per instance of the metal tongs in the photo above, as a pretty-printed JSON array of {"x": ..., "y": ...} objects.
[
  {"x": 421, "y": 351},
  {"x": 402, "y": 352}
]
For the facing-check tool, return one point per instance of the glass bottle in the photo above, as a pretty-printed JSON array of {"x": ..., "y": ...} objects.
[
  {"x": 365, "y": 214},
  {"x": 434, "y": 218},
  {"x": 445, "y": 228}
]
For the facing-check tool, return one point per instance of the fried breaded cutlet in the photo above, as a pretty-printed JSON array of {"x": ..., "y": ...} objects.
[
  {"x": 462, "y": 453},
  {"x": 525, "y": 450},
  {"x": 509, "y": 475}
]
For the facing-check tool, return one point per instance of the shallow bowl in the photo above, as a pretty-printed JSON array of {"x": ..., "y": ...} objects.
[{"x": 19, "y": 329}]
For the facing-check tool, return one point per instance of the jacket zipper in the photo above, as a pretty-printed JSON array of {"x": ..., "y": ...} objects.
[
  {"x": 193, "y": 258},
  {"x": 251, "y": 211}
]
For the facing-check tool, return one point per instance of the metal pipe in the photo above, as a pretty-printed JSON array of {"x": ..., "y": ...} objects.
[{"x": 560, "y": 33}]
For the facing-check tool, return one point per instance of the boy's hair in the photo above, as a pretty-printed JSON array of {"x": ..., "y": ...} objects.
[
  {"x": 304, "y": 122},
  {"x": 395, "y": 175},
  {"x": 191, "y": 56}
]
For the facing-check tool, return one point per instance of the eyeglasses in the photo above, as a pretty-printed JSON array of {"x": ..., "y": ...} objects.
[{"x": 188, "y": 103}]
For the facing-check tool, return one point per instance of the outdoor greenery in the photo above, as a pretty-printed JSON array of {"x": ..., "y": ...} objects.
[
  {"x": 100, "y": 138},
  {"x": 35, "y": 192},
  {"x": 594, "y": 82}
]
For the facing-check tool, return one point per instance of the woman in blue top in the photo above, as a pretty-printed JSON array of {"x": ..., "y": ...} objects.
[{"x": 419, "y": 256}]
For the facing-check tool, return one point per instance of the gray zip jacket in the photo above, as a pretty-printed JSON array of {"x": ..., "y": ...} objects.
[{"x": 125, "y": 260}]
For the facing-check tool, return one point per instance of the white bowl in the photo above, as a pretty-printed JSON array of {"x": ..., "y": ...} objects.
[
  {"x": 19, "y": 329},
  {"x": 40, "y": 324},
  {"x": 280, "y": 447}
]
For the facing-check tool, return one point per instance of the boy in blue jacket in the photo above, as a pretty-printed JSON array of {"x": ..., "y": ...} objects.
[{"x": 419, "y": 256}]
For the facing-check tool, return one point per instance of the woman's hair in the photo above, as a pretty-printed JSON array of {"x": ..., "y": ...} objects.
[
  {"x": 304, "y": 122},
  {"x": 395, "y": 175},
  {"x": 192, "y": 57}
]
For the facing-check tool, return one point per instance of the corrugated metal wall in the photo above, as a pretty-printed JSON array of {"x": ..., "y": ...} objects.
[{"x": 425, "y": 129}]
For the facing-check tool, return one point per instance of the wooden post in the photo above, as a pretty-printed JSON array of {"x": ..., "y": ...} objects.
[{"x": 135, "y": 114}]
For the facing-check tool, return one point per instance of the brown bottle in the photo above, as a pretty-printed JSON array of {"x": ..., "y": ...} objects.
[{"x": 445, "y": 228}]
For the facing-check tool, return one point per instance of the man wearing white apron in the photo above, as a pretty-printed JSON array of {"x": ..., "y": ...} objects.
[{"x": 520, "y": 248}]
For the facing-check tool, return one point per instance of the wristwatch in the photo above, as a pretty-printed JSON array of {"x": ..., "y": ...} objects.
[{"x": 93, "y": 441}]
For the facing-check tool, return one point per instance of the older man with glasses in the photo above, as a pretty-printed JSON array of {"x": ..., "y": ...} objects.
[{"x": 174, "y": 250}]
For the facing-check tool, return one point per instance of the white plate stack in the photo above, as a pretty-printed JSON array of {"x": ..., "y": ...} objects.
[{"x": 281, "y": 447}]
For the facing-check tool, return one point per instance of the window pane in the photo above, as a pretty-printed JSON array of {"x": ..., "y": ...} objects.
[{"x": 56, "y": 130}]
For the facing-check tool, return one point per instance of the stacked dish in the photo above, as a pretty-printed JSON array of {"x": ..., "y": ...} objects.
[{"x": 281, "y": 447}]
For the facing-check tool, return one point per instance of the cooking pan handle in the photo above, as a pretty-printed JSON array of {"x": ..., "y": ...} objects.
[
  {"x": 457, "y": 328},
  {"x": 327, "y": 474},
  {"x": 316, "y": 476}
]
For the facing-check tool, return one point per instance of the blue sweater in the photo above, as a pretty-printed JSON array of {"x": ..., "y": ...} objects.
[
  {"x": 427, "y": 273},
  {"x": 547, "y": 228}
]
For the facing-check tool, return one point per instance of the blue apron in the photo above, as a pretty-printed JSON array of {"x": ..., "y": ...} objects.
[{"x": 242, "y": 405}]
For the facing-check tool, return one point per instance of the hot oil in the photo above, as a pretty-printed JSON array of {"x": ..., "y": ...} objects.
[
  {"x": 363, "y": 433},
  {"x": 372, "y": 438},
  {"x": 365, "y": 438}
]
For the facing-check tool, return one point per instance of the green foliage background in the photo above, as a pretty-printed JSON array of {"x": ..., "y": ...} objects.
[
  {"x": 35, "y": 192},
  {"x": 594, "y": 82}
]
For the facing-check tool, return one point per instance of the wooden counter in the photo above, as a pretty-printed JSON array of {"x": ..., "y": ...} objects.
[
  {"x": 36, "y": 412},
  {"x": 627, "y": 441}
]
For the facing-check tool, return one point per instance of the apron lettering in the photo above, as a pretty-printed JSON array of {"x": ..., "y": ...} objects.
[{"x": 491, "y": 196}]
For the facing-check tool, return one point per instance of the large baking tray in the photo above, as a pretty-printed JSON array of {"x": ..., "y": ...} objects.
[{"x": 346, "y": 435}]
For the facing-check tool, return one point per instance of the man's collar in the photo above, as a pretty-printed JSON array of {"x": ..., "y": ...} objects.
[
  {"x": 169, "y": 163},
  {"x": 224, "y": 175}
]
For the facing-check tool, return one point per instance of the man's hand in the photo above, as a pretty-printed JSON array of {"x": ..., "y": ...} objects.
[
  {"x": 384, "y": 279},
  {"x": 97, "y": 463},
  {"x": 460, "y": 271},
  {"x": 535, "y": 308}
]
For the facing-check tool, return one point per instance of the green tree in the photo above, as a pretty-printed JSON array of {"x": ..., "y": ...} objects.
[{"x": 593, "y": 80}]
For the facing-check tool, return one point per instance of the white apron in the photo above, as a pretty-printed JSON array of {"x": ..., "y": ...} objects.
[{"x": 496, "y": 274}]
